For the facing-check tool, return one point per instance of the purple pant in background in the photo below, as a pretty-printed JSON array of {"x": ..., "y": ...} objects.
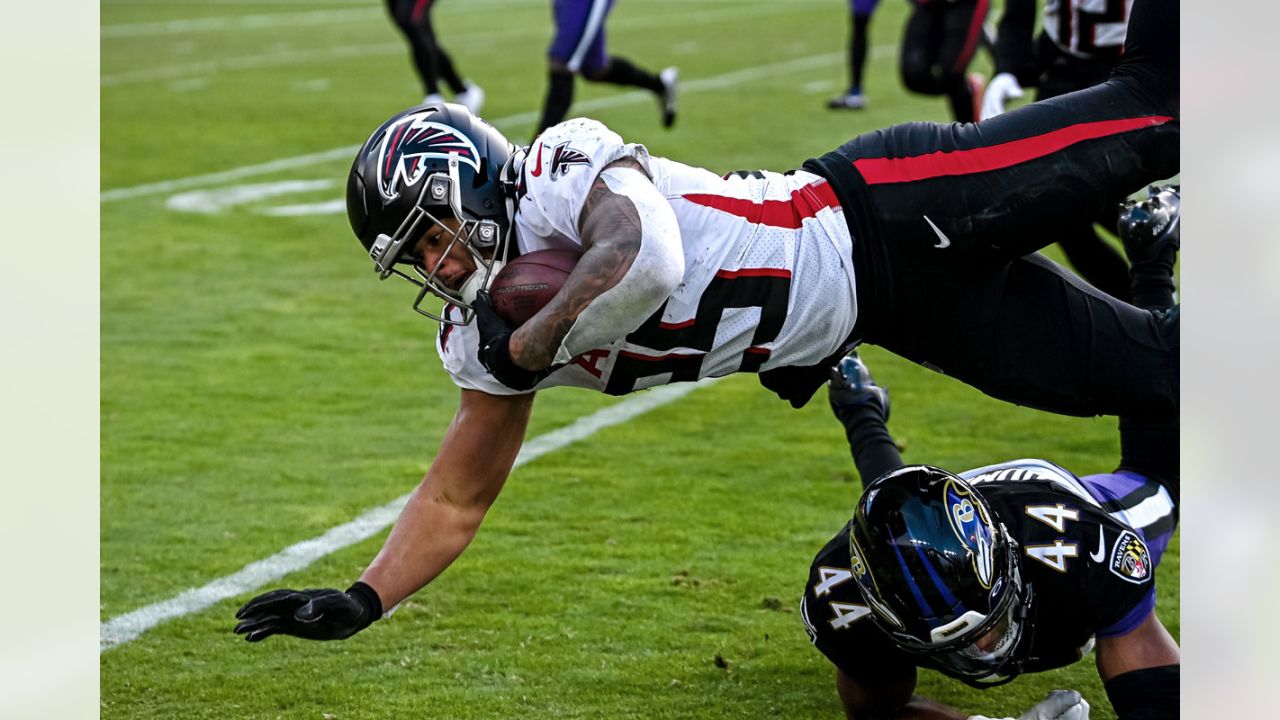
[
  {"x": 579, "y": 40},
  {"x": 863, "y": 8}
]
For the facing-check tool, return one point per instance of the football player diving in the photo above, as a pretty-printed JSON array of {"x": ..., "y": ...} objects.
[
  {"x": 1007, "y": 569},
  {"x": 919, "y": 238}
]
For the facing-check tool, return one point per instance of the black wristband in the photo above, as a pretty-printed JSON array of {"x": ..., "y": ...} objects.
[
  {"x": 1150, "y": 694},
  {"x": 506, "y": 370},
  {"x": 367, "y": 597}
]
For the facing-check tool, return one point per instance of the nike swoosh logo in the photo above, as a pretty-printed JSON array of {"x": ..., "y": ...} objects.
[
  {"x": 537, "y": 166},
  {"x": 1102, "y": 544},
  {"x": 943, "y": 240}
]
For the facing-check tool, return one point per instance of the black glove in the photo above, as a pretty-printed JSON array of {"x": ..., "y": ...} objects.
[
  {"x": 326, "y": 614},
  {"x": 495, "y": 347}
]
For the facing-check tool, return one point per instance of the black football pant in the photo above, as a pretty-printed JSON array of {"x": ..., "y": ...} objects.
[
  {"x": 945, "y": 218},
  {"x": 413, "y": 17},
  {"x": 938, "y": 43},
  {"x": 1091, "y": 256}
]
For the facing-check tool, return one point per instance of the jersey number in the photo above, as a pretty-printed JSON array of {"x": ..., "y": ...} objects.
[
  {"x": 847, "y": 614},
  {"x": 1055, "y": 516},
  {"x": 765, "y": 288},
  {"x": 843, "y": 614},
  {"x": 1055, "y": 555},
  {"x": 1078, "y": 28}
]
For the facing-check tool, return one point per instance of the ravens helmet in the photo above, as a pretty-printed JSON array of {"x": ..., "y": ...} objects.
[
  {"x": 939, "y": 572},
  {"x": 431, "y": 162}
]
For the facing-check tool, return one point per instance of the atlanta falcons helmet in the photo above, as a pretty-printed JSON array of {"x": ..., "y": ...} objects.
[
  {"x": 940, "y": 573},
  {"x": 425, "y": 164}
]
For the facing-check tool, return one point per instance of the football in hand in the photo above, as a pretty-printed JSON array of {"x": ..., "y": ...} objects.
[{"x": 528, "y": 282}]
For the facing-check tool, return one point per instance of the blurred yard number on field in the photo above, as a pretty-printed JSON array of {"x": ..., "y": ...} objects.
[{"x": 210, "y": 202}]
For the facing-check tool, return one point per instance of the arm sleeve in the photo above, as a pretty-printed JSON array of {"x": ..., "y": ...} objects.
[
  {"x": 1150, "y": 694},
  {"x": 557, "y": 176},
  {"x": 655, "y": 272},
  {"x": 1121, "y": 587}
]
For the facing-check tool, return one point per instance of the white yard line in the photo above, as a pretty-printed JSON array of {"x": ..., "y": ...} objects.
[
  {"x": 123, "y": 628},
  {"x": 172, "y": 71},
  {"x": 345, "y": 152},
  {"x": 243, "y": 22}
]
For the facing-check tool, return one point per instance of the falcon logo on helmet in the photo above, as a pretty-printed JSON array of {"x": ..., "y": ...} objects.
[{"x": 411, "y": 141}]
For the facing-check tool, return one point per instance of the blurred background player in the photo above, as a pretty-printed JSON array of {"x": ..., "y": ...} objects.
[
  {"x": 860, "y": 19},
  {"x": 1078, "y": 48},
  {"x": 578, "y": 48},
  {"x": 1011, "y": 568},
  {"x": 940, "y": 40},
  {"x": 413, "y": 17}
]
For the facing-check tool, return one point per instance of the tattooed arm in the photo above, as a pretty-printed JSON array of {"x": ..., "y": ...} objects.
[{"x": 633, "y": 260}]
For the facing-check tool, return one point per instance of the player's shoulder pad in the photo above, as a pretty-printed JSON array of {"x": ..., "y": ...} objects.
[{"x": 560, "y": 168}]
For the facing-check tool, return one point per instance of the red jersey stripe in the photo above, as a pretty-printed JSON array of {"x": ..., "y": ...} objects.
[
  {"x": 753, "y": 272},
  {"x": 805, "y": 203},
  {"x": 965, "y": 162}
]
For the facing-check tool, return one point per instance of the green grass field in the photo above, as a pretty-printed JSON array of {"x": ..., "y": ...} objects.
[{"x": 260, "y": 387}]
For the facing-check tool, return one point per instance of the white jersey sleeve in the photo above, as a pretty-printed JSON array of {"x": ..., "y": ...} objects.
[
  {"x": 767, "y": 281},
  {"x": 558, "y": 173}
]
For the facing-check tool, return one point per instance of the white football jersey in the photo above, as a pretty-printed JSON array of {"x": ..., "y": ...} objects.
[
  {"x": 1087, "y": 28},
  {"x": 768, "y": 278}
]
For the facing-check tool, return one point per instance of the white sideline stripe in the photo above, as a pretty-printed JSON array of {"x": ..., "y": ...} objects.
[
  {"x": 242, "y": 22},
  {"x": 347, "y": 151},
  {"x": 123, "y": 628},
  {"x": 170, "y": 71},
  {"x": 311, "y": 17}
]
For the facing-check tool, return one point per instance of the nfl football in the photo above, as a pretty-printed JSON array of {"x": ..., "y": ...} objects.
[{"x": 527, "y": 283}]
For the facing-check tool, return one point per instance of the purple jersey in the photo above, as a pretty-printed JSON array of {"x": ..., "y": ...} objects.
[
  {"x": 1088, "y": 548},
  {"x": 579, "y": 39}
]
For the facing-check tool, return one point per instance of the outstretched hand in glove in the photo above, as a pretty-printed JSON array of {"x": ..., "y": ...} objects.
[{"x": 321, "y": 614}]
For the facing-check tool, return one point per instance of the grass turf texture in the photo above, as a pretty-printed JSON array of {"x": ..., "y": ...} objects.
[{"x": 259, "y": 387}]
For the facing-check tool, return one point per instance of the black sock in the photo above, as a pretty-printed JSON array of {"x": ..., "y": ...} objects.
[
  {"x": 873, "y": 449},
  {"x": 444, "y": 65},
  {"x": 559, "y": 98},
  {"x": 1152, "y": 281},
  {"x": 961, "y": 98},
  {"x": 858, "y": 51},
  {"x": 622, "y": 72}
]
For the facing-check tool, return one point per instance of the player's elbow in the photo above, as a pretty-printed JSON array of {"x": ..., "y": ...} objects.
[{"x": 658, "y": 276}]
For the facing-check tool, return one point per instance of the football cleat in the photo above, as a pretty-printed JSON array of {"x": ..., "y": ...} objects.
[
  {"x": 472, "y": 98},
  {"x": 670, "y": 78},
  {"x": 433, "y": 99},
  {"x": 851, "y": 385},
  {"x": 852, "y": 100},
  {"x": 1150, "y": 229}
]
